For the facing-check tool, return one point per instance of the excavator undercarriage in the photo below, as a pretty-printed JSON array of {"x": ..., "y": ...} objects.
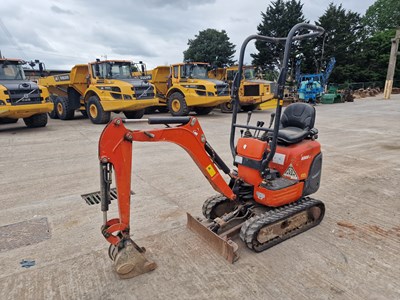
[{"x": 258, "y": 226}]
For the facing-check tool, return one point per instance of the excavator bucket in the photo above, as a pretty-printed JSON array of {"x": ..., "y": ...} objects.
[
  {"x": 220, "y": 243},
  {"x": 130, "y": 261}
]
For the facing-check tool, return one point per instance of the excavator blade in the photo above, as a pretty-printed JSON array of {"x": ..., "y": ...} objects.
[
  {"x": 222, "y": 244},
  {"x": 130, "y": 261}
]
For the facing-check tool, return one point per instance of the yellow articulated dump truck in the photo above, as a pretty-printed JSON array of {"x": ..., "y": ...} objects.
[
  {"x": 252, "y": 91},
  {"x": 186, "y": 87},
  {"x": 21, "y": 98},
  {"x": 98, "y": 88}
]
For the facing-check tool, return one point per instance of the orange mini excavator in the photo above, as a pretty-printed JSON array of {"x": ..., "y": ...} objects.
[{"x": 267, "y": 197}]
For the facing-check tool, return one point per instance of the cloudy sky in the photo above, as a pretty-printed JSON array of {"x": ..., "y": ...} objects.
[{"x": 63, "y": 33}]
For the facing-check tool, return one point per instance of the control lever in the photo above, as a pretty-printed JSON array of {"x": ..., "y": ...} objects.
[
  {"x": 272, "y": 120},
  {"x": 257, "y": 132},
  {"x": 248, "y": 117},
  {"x": 247, "y": 133},
  {"x": 265, "y": 135}
]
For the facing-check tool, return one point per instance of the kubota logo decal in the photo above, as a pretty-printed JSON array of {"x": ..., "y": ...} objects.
[{"x": 291, "y": 173}]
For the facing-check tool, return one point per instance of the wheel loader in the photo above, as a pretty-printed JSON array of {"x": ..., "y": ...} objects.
[
  {"x": 267, "y": 198},
  {"x": 21, "y": 98},
  {"x": 97, "y": 89}
]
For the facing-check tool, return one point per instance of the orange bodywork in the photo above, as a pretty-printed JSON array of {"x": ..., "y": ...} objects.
[
  {"x": 297, "y": 158},
  {"x": 115, "y": 147}
]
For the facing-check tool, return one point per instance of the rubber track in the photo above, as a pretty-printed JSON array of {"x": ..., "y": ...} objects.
[
  {"x": 250, "y": 229},
  {"x": 210, "y": 203}
]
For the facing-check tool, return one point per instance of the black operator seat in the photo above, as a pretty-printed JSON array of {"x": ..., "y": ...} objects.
[{"x": 297, "y": 121}]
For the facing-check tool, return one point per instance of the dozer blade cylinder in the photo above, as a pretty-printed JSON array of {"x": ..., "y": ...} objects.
[{"x": 223, "y": 245}]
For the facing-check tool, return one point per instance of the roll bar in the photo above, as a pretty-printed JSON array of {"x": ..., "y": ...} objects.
[{"x": 316, "y": 31}]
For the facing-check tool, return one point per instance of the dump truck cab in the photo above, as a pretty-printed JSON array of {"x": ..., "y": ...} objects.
[
  {"x": 21, "y": 98},
  {"x": 99, "y": 88},
  {"x": 186, "y": 86},
  {"x": 252, "y": 91}
]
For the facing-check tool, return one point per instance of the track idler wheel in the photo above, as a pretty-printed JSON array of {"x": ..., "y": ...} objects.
[
  {"x": 129, "y": 260},
  {"x": 216, "y": 206}
]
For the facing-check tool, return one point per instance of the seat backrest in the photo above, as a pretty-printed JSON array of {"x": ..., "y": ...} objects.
[{"x": 301, "y": 115}]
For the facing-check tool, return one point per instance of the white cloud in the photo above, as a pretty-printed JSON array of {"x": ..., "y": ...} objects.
[{"x": 64, "y": 33}]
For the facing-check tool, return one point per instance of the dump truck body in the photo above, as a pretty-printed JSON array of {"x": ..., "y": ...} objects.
[
  {"x": 19, "y": 97},
  {"x": 186, "y": 86},
  {"x": 99, "y": 88},
  {"x": 252, "y": 91}
]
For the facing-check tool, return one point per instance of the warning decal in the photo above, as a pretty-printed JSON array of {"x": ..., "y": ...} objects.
[
  {"x": 291, "y": 173},
  {"x": 211, "y": 170}
]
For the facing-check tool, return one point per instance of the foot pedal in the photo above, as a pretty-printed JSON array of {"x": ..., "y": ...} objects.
[{"x": 95, "y": 198}]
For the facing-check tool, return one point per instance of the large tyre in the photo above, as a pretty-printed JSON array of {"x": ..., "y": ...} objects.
[
  {"x": 39, "y": 120},
  {"x": 203, "y": 110},
  {"x": 226, "y": 107},
  {"x": 177, "y": 105},
  {"x": 53, "y": 113},
  {"x": 8, "y": 121},
  {"x": 136, "y": 114},
  {"x": 96, "y": 112},
  {"x": 63, "y": 109},
  {"x": 250, "y": 107}
]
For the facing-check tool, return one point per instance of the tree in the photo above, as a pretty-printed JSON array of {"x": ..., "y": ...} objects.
[
  {"x": 277, "y": 21},
  {"x": 211, "y": 46},
  {"x": 342, "y": 41},
  {"x": 382, "y": 15},
  {"x": 374, "y": 57}
]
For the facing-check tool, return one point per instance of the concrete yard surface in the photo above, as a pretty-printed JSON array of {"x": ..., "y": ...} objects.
[{"x": 353, "y": 254}]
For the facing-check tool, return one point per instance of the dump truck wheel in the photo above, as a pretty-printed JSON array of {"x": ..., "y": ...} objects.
[
  {"x": 177, "y": 105},
  {"x": 226, "y": 107},
  {"x": 136, "y": 114},
  {"x": 203, "y": 110},
  {"x": 53, "y": 113},
  {"x": 39, "y": 120},
  {"x": 8, "y": 121},
  {"x": 250, "y": 107},
  {"x": 96, "y": 112},
  {"x": 63, "y": 110}
]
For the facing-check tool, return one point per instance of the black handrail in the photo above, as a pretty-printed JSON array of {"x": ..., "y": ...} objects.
[{"x": 317, "y": 31}]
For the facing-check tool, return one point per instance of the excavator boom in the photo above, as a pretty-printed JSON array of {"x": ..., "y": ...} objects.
[{"x": 115, "y": 154}]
